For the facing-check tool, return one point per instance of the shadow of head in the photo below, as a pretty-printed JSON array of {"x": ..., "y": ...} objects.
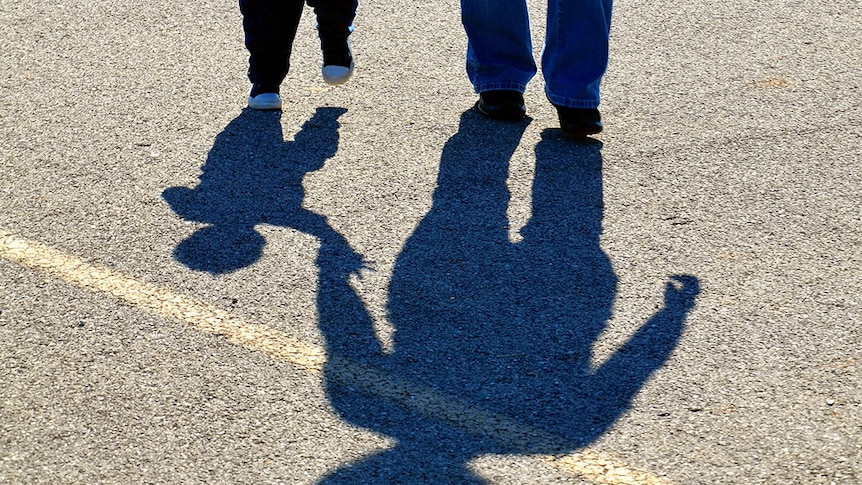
[
  {"x": 497, "y": 337},
  {"x": 220, "y": 249},
  {"x": 251, "y": 176}
]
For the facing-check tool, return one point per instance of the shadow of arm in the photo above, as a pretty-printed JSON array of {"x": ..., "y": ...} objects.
[
  {"x": 623, "y": 375},
  {"x": 344, "y": 320}
]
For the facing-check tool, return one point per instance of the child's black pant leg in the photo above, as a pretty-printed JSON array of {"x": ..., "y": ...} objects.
[
  {"x": 270, "y": 28},
  {"x": 334, "y": 20}
]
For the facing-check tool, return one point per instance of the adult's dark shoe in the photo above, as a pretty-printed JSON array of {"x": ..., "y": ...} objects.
[
  {"x": 502, "y": 105},
  {"x": 579, "y": 122}
]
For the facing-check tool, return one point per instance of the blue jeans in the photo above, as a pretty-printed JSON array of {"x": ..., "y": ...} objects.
[{"x": 574, "y": 58}]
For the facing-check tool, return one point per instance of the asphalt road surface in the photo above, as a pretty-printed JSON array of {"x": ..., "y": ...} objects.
[{"x": 378, "y": 285}]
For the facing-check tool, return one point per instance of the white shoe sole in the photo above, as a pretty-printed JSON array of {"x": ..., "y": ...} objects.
[
  {"x": 265, "y": 101},
  {"x": 336, "y": 75}
]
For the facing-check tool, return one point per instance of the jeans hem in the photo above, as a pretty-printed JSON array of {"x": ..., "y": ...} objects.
[
  {"x": 500, "y": 86},
  {"x": 567, "y": 102}
]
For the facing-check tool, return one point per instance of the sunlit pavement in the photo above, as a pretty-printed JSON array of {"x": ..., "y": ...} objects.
[{"x": 377, "y": 285}]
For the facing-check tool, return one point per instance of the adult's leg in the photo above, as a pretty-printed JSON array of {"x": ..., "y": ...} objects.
[
  {"x": 575, "y": 56},
  {"x": 499, "y": 46},
  {"x": 270, "y": 27}
]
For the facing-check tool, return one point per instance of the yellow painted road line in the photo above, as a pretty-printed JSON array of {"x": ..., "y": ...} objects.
[{"x": 586, "y": 464}]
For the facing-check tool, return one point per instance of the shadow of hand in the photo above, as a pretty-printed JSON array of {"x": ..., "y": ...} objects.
[
  {"x": 504, "y": 327},
  {"x": 252, "y": 176}
]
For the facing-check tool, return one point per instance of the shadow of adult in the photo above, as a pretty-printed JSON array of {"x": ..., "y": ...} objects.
[
  {"x": 253, "y": 176},
  {"x": 503, "y": 327}
]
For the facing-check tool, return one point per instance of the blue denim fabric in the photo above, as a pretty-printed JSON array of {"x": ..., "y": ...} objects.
[{"x": 574, "y": 57}]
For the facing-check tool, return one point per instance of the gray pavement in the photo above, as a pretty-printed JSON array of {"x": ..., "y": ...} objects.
[{"x": 679, "y": 300}]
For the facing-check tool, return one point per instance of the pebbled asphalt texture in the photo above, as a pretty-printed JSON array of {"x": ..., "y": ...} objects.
[{"x": 680, "y": 294}]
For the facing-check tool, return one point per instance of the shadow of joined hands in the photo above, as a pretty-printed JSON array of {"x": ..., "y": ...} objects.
[{"x": 503, "y": 327}]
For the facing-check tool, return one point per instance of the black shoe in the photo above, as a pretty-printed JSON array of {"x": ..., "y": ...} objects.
[
  {"x": 337, "y": 62},
  {"x": 264, "y": 97},
  {"x": 579, "y": 122},
  {"x": 263, "y": 88},
  {"x": 502, "y": 105}
]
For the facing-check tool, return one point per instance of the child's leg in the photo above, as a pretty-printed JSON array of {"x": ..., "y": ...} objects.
[
  {"x": 334, "y": 25},
  {"x": 270, "y": 27},
  {"x": 334, "y": 20}
]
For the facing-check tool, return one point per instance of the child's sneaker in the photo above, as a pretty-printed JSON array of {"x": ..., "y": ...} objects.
[
  {"x": 338, "y": 63},
  {"x": 264, "y": 98}
]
